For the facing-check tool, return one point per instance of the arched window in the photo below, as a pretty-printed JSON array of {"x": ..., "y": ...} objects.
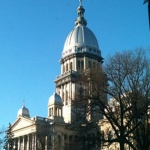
[
  {"x": 59, "y": 141},
  {"x": 56, "y": 111},
  {"x": 50, "y": 112},
  {"x": 71, "y": 66},
  {"x": 63, "y": 68},
  {"x": 63, "y": 96},
  {"x": 65, "y": 141},
  {"x": 66, "y": 67},
  {"x": 59, "y": 112},
  {"x": 66, "y": 97},
  {"x": 70, "y": 141}
]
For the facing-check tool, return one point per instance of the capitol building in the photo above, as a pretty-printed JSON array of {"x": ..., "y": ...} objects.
[{"x": 81, "y": 51}]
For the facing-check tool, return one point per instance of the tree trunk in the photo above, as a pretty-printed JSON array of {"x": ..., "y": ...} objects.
[{"x": 121, "y": 143}]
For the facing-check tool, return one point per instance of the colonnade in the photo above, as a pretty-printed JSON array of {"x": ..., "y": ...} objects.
[
  {"x": 55, "y": 142},
  {"x": 26, "y": 142}
]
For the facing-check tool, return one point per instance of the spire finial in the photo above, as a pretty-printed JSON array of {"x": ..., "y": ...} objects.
[
  {"x": 80, "y": 20},
  {"x": 23, "y": 102},
  {"x": 80, "y": 2}
]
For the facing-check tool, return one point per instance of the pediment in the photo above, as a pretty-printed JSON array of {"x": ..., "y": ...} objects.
[{"x": 22, "y": 123}]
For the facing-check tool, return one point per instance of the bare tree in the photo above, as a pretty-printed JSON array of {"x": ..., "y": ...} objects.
[
  {"x": 125, "y": 80},
  {"x": 128, "y": 75}
]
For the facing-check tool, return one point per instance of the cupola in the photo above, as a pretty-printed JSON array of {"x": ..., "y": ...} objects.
[
  {"x": 55, "y": 108},
  {"x": 55, "y": 99},
  {"x": 23, "y": 112}
]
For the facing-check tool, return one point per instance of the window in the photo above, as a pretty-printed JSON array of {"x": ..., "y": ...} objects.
[
  {"x": 93, "y": 64},
  {"x": 66, "y": 67},
  {"x": 63, "y": 68},
  {"x": 59, "y": 112},
  {"x": 81, "y": 90},
  {"x": 59, "y": 141},
  {"x": 71, "y": 66},
  {"x": 78, "y": 65},
  {"x": 89, "y": 64},
  {"x": 50, "y": 112},
  {"x": 63, "y": 96},
  {"x": 82, "y": 65},
  {"x": 56, "y": 111},
  {"x": 66, "y": 97}
]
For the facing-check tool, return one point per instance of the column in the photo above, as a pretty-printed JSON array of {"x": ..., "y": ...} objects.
[
  {"x": 73, "y": 90},
  {"x": 46, "y": 143},
  {"x": 62, "y": 67},
  {"x": 53, "y": 141},
  {"x": 28, "y": 142},
  {"x": 35, "y": 142},
  {"x": 61, "y": 92},
  {"x": 62, "y": 142},
  {"x": 65, "y": 94},
  {"x": 69, "y": 93},
  {"x": 14, "y": 146},
  {"x": 61, "y": 112},
  {"x": 84, "y": 62},
  {"x": 68, "y": 64},
  {"x": 52, "y": 111},
  {"x": 23, "y": 140},
  {"x": 32, "y": 141},
  {"x": 75, "y": 64},
  {"x": 18, "y": 143}
]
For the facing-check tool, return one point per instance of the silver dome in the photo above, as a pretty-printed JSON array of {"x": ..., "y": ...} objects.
[
  {"x": 81, "y": 36},
  {"x": 23, "y": 112},
  {"x": 81, "y": 39},
  {"x": 55, "y": 99}
]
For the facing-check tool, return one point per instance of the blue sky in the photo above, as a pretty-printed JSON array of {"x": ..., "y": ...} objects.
[{"x": 32, "y": 35}]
